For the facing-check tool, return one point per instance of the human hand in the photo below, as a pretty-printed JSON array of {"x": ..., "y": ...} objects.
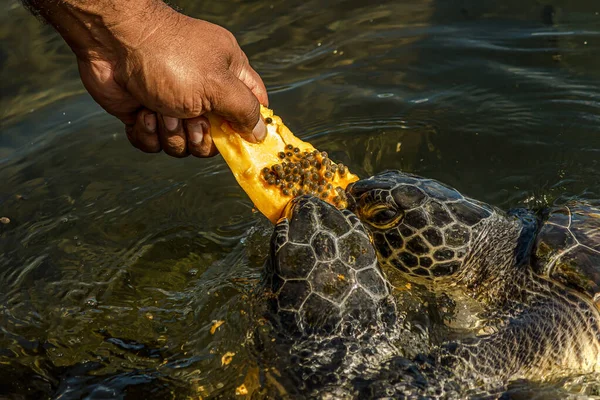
[{"x": 161, "y": 76}]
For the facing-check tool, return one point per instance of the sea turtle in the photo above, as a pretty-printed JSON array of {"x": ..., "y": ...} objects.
[
  {"x": 328, "y": 301},
  {"x": 535, "y": 276}
]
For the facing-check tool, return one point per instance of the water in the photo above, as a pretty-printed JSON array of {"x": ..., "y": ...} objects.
[{"x": 115, "y": 264}]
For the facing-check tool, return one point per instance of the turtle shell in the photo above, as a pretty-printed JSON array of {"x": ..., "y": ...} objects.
[{"x": 567, "y": 248}]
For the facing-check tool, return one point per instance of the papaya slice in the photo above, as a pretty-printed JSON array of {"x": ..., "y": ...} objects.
[{"x": 281, "y": 167}]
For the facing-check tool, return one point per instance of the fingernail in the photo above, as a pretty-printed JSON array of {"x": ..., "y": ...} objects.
[
  {"x": 196, "y": 131},
  {"x": 171, "y": 123},
  {"x": 260, "y": 130},
  {"x": 150, "y": 121}
]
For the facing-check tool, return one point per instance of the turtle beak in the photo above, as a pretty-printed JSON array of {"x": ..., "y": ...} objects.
[
  {"x": 295, "y": 204},
  {"x": 290, "y": 207},
  {"x": 350, "y": 198},
  {"x": 287, "y": 212}
]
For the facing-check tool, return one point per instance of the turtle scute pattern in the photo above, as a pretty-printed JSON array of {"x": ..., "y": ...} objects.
[
  {"x": 323, "y": 273},
  {"x": 420, "y": 226},
  {"x": 567, "y": 247}
]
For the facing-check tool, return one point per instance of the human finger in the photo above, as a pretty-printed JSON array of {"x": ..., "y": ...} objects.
[
  {"x": 199, "y": 140},
  {"x": 145, "y": 131},
  {"x": 172, "y": 136},
  {"x": 130, "y": 136},
  {"x": 235, "y": 102},
  {"x": 253, "y": 81}
]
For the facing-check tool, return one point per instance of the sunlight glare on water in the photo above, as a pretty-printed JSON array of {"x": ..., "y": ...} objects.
[{"x": 115, "y": 264}]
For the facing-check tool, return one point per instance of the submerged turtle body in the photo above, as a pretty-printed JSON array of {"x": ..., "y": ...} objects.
[{"x": 536, "y": 276}]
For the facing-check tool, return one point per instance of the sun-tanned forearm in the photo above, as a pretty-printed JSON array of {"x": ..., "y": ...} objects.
[
  {"x": 159, "y": 71},
  {"x": 105, "y": 26}
]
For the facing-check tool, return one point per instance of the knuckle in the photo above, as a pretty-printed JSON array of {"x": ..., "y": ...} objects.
[
  {"x": 197, "y": 106},
  {"x": 228, "y": 37}
]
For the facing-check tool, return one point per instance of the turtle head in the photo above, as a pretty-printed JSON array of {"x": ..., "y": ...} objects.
[
  {"x": 323, "y": 272},
  {"x": 327, "y": 300},
  {"x": 419, "y": 226}
]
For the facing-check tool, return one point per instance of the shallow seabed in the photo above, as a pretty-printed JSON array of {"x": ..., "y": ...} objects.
[{"x": 116, "y": 264}]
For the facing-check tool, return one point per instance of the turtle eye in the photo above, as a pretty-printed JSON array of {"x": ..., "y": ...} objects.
[{"x": 383, "y": 216}]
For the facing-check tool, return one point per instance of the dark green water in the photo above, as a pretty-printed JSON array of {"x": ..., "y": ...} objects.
[{"x": 116, "y": 263}]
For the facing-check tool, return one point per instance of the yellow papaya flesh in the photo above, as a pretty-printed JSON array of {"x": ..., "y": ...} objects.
[{"x": 281, "y": 167}]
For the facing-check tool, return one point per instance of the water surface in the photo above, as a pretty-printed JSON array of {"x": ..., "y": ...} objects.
[{"x": 115, "y": 264}]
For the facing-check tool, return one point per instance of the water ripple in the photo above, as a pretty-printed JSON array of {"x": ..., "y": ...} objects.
[{"x": 116, "y": 264}]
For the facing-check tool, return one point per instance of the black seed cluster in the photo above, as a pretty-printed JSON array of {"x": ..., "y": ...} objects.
[{"x": 304, "y": 172}]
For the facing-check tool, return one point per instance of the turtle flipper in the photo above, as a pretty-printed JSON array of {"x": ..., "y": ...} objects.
[
  {"x": 561, "y": 332},
  {"x": 558, "y": 335}
]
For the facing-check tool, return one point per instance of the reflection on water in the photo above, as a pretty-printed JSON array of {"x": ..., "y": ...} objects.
[{"x": 115, "y": 264}]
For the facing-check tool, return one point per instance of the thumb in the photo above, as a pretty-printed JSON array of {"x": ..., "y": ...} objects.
[
  {"x": 251, "y": 79},
  {"x": 237, "y": 104}
]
